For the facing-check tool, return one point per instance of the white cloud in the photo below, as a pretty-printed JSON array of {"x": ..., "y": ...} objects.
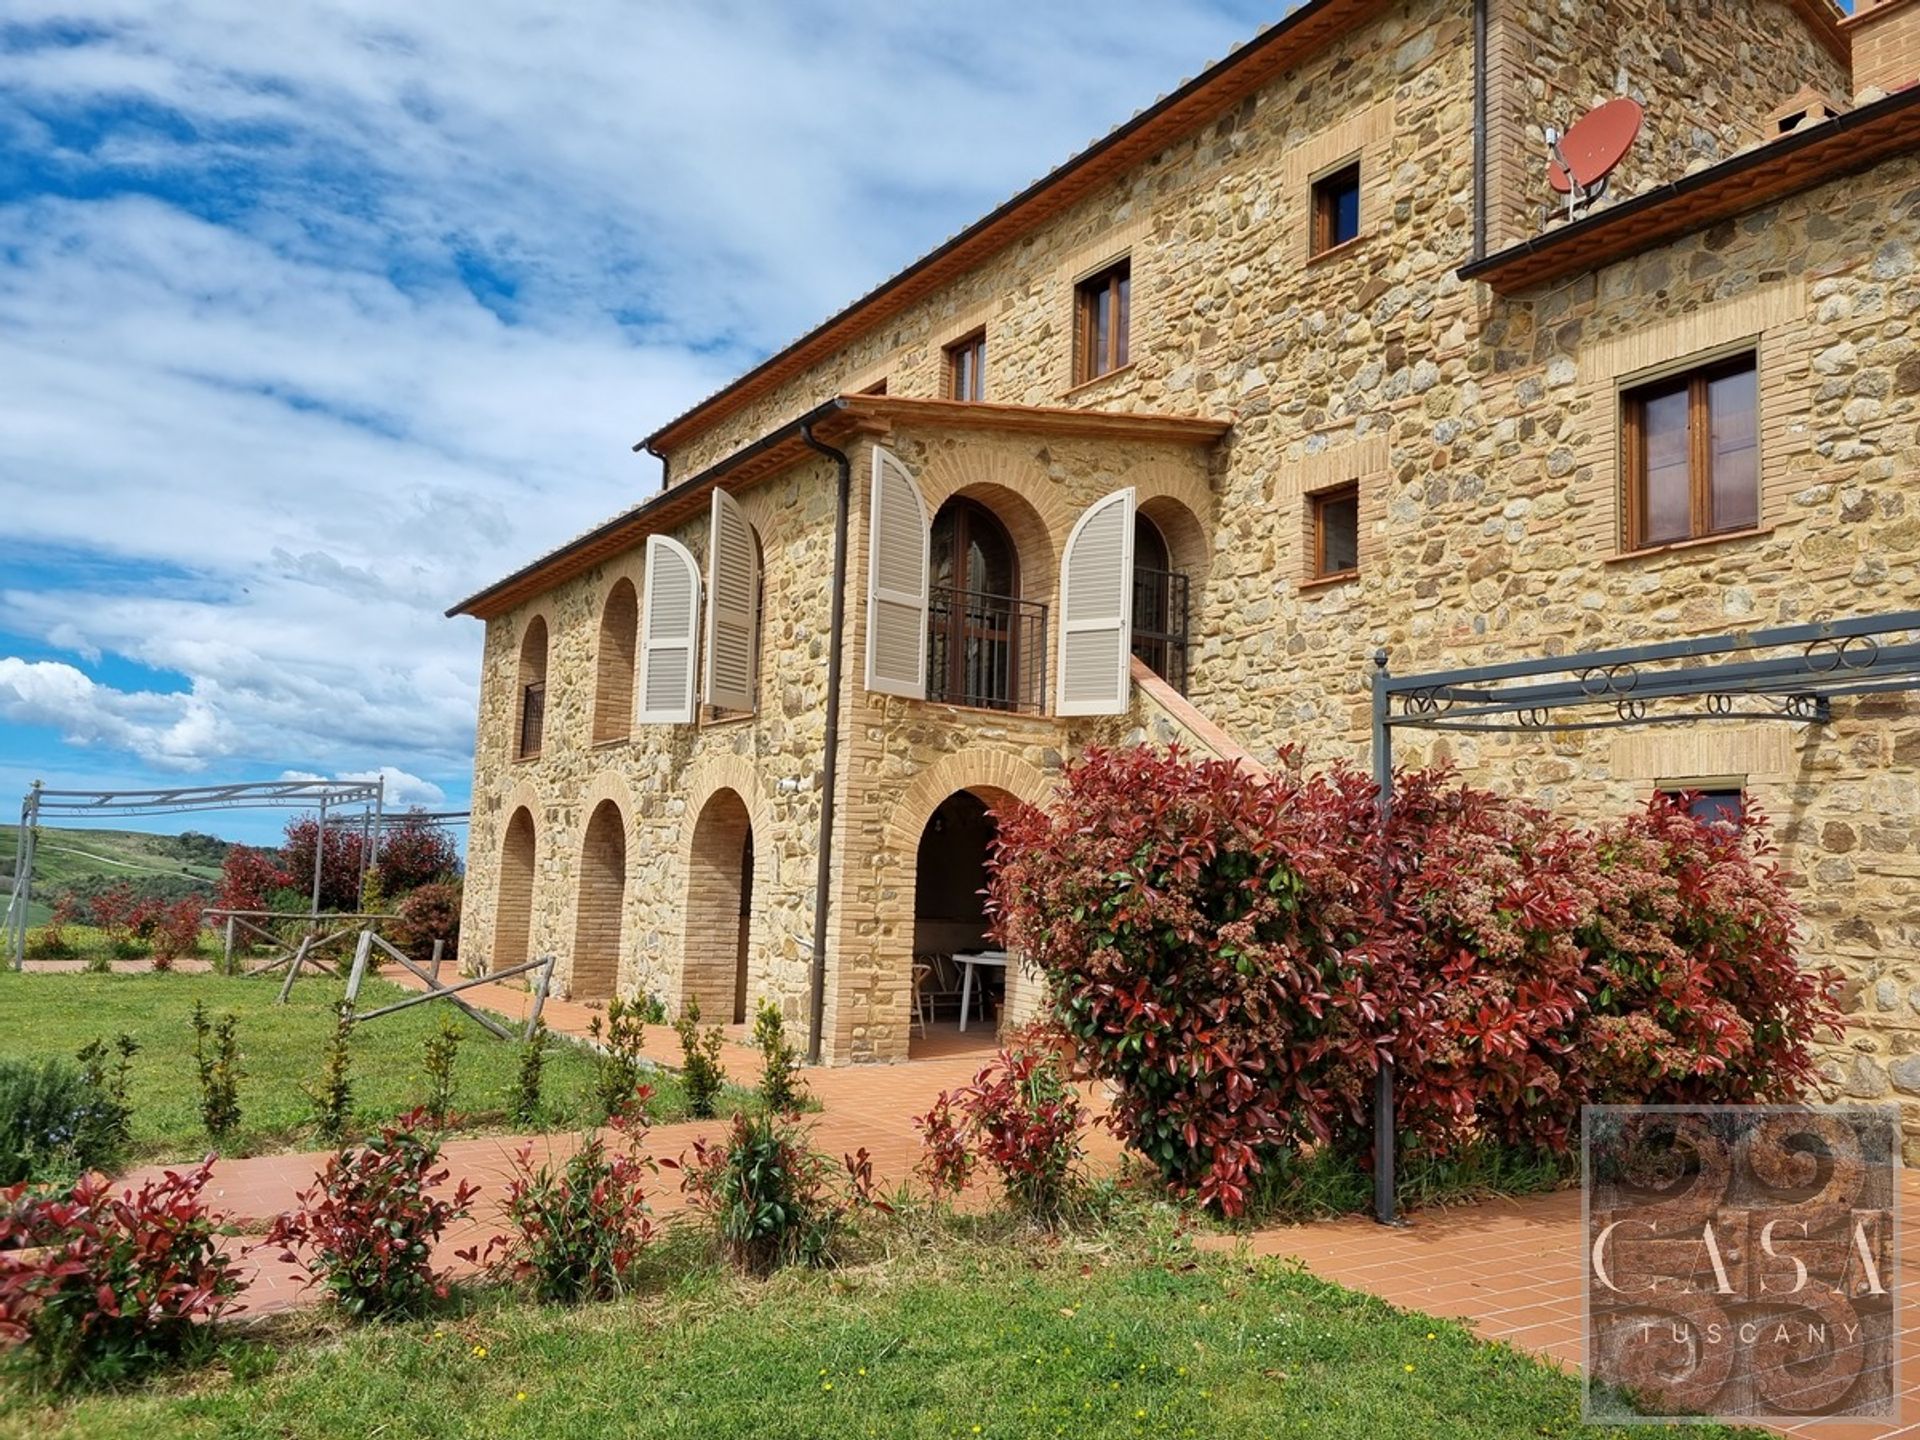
[
  {"x": 364, "y": 305},
  {"x": 403, "y": 791}
]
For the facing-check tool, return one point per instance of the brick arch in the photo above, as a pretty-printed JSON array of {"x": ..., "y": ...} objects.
[
  {"x": 513, "y": 891},
  {"x": 1019, "y": 494},
  {"x": 718, "y": 945},
  {"x": 1180, "y": 504},
  {"x": 600, "y": 904},
  {"x": 616, "y": 648},
  {"x": 987, "y": 773},
  {"x": 530, "y": 663}
]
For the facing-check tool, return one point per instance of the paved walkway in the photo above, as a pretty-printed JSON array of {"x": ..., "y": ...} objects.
[{"x": 1512, "y": 1270}]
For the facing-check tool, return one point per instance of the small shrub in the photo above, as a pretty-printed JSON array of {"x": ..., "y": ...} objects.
[
  {"x": 216, "y": 1059},
  {"x": 369, "y": 1222},
  {"x": 51, "y": 941},
  {"x": 107, "y": 1071},
  {"x": 46, "y": 1111},
  {"x": 622, "y": 1065},
  {"x": 1027, "y": 1123},
  {"x": 416, "y": 853},
  {"x": 117, "y": 911},
  {"x": 773, "y": 1199},
  {"x": 579, "y": 1228},
  {"x": 427, "y": 914},
  {"x": 249, "y": 877},
  {"x": 98, "y": 1289},
  {"x": 526, "y": 1108},
  {"x": 333, "y": 1096},
  {"x": 173, "y": 931},
  {"x": 780, "y": 1089},
  {"x": 701, "y": 1072},
  {"x": 442, "y": 1050},
  {"x": 651, "y": 1008}
]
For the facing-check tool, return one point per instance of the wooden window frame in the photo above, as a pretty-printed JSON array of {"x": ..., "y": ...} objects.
[
  {"x": 972, "y": 345},
  {"x": 533, "y": 720},
  {"x": 1326, "y": 209},
  {"x": 1103, "y": 284},
  {"x": 1317, "y": 504},
  {"x": 1699, "y": 376}
]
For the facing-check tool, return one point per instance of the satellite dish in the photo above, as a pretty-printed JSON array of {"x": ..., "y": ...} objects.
[{"x": 1586, "y": 155}]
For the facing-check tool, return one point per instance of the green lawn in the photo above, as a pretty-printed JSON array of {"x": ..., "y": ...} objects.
[
  {"x": 281, "y": 1047},
  {"x": 944, "y": 1336}
]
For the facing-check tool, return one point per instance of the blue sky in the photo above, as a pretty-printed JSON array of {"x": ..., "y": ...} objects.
[{"x": 315, "y": 317}]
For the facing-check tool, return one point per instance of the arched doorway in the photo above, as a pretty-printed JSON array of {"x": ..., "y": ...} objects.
[
  {"x": 976, "y": 653},
  {"x": 1160, "y": 593},
  {"x": 513, "y": 904},
  {"x": 719, "y": 906},
  {"x": 950, "y": 920},
  {"x": 598, "y": 911}
]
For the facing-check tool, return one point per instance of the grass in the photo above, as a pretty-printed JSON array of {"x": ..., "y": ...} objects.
[
  {"x": 64, "y": 857},
  {"x": 1323, "y": 1184},
  {"x": 971, "y": 1329},
  {"x": 281, "y": 1046}
]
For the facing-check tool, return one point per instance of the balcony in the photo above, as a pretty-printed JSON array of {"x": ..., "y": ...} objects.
[
  {"x": 986, "y": 650},
  {"x": 1160, "y": 623}
]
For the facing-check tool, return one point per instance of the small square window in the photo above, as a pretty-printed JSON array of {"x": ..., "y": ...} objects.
[
  {"x": 1102, "y": 305},
  {"x": 1718, "y": 806},
  {"x": 1692, "y": 447},
  {"x": 1336, "y": 208},
  {"x": 1336, "y": 532},
  {"x": 967, "y": 367}
]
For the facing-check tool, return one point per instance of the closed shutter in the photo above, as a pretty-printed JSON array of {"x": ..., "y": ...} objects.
[
  {"x": 733, "y": 608},
  {"x": 896, "y": 582},
  {"x": 667, "y": 632},
  {"x": 1096, "y": 609}
]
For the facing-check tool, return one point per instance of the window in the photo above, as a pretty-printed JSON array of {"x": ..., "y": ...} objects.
[
  {"x": 1692, "y": 445},
  {"x": 985, "y": 646},
  {"x": 878, "y": 387},
  {"x": 1721, "y": 805},
  {"x": 967, "y": 367},
  {"x": 1159, "y": 606},
  {"x": 532, "y": 680},
  {"x": 1335, "y": 532},
  {"x": 1336, "y": 208},
  {"x": 1101, "y": 305}
]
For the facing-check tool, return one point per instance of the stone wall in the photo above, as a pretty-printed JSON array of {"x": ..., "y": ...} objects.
[{"x": 1483, "y": 433}]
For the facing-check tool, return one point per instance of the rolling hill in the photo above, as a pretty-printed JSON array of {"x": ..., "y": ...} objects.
[{"x": 70, "y": 858}]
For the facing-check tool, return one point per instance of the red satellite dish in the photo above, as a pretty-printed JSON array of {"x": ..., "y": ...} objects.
[{"x": 1598, "y": 141}]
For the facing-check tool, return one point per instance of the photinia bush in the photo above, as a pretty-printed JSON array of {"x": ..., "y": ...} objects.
[
  {"x": 1023, "y": 1118},
  {"x": 414, "y": 852},
  {"x": 1222, "y": 950},
  {"x": 96, "y": 1287},
  {"x": 249, "y": 876},
  {"x": 579, "y": 1229},
  {"x": 428, "y": 913},
  {"x": 369, "y": 1222},
  {"x": 173, "y": 930}
]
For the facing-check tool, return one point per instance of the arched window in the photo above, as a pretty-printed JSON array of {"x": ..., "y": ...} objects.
[
  {"x": 981, "y": 638},
  {"x": 613, "y": 675},
  {"x": 531, "y": 692},
  {"x": 1159, "y": 605}
]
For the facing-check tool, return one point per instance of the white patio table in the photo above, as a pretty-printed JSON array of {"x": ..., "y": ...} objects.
[{"x": 993, "y": 960}]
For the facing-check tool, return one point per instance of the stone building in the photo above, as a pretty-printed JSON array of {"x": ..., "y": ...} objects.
[{"x": 1304, "y": 360}]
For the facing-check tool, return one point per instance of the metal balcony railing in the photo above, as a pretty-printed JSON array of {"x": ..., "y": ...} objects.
[
  {"x": 1160, "y": 623},
  {"x": 986, "y": 650},
  {"x": 533, "y": 720}
]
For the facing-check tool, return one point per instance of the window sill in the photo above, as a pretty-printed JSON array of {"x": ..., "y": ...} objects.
[
  {"x": 612, "y": 742},
  {"x": 1340, "y": 251},
  {"x": 1084, "y": 385},
  {"x": 526, "y": 759},
  {"x": 1327, "y": 582},
  {"x": 1653, "y": 551},
  {"x": 721, "y": 721}
]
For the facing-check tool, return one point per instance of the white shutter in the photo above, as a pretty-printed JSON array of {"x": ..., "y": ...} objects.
[
  {"x": 667, "y": 626},
  {"x": 896, "y": 582},
  {"x": 1096, "y": 609},
  {"x": 729, "y": 672}
]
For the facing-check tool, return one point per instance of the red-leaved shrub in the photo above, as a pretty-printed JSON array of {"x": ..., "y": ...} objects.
[
  {"x": 772, "y": 1197},
  {"x": 1236, "y": 955},
  {"x": 174, "y": 931},
  {"x": 248, "y": 876},
  {"x": 369, "y": 1222},
  {"x": 414, "y": 851},
  {"x": 98, "y": 1287},
  {"x": 579, "y": 1228},
  {"x": 1021, "y": 1116},
  {"x": 427, "y": 914}
]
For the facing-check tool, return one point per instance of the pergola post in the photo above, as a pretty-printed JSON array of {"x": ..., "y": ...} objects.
[
  {"x": 319, "y": 855},
  {"x": 1382, "y": 748}
]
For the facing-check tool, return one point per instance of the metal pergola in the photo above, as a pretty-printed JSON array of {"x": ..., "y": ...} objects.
[
  {"x": 322, "y": 796},
  {"x": 1792, "y": 673}
]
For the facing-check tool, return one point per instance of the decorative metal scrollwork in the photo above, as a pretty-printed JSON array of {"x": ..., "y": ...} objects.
[
  {"x": 1631, "y": 709},
  {"x": 1719, "y": 704},
  {"x": 1857, "y": 652},
  {"x": 1534, "y": 717},
  {"x": 1801, "y": 707},
  {"x": 1823, "y": 654},
  {"x": 1427, "y": 701}
]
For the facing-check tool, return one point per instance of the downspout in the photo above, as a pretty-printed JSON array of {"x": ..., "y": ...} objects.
[
  {"x": 823, "y": 875},
  {"x": 1480, "y": 128},
  {"x": 666, "y": 465}
]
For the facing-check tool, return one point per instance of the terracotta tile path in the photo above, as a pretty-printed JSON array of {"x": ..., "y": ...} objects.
[{"x": 1510, "y": 1269}]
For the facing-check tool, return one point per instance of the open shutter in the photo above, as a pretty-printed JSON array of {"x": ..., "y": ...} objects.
[
  {"x": 896, "y": 582},
  {"x": 733, "y": 608},
  {"x": 667, "y": 624},
  {"x": 1096, "y": 609}
]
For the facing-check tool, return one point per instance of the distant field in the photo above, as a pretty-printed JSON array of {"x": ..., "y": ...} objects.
[{"x": 68, "y": 857}]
